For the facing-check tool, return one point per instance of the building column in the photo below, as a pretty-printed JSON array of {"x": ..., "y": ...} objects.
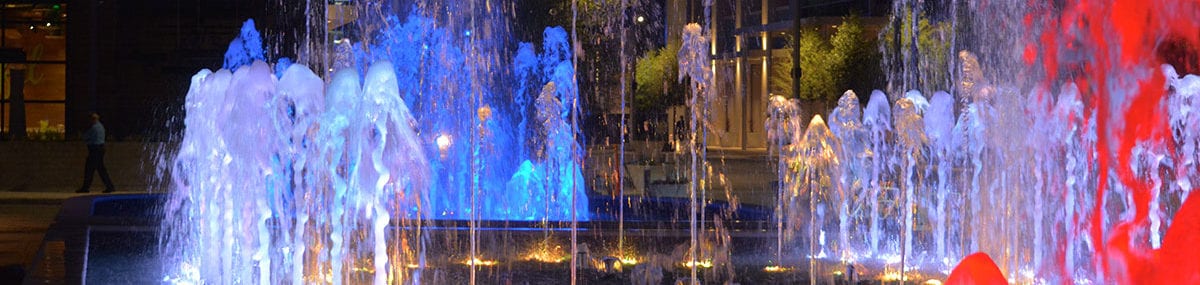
[
  {"x": 16, "y": 104},
  {"x": 740, "y": 84},
  {"x": 764, "y": 94}
]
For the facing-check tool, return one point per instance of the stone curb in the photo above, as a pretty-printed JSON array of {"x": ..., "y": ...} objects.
[{"x": 43, "y": 198}]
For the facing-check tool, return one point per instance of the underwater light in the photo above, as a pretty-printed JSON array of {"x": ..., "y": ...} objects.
[
  {"x": 702, "y": 264},
  {"x": 775, "y": 268},
  {"x": 477, "y": 261},
  {"x": 443, "y": 142}
]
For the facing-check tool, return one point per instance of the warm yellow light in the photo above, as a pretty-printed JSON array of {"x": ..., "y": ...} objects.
[
  {"x": 546, "y": 250},
  {"x": 600, "y": 263},
  {"x": 933, "y": 282},
  {"x": 774, "y": 268},
  {"x": 629, "y": 260},
  {"x": 412, "y": 266},
  {"x": 484, "y": 113},
  {"x": 892, "y": 276},
  {"x": 702, "y": 264},
  {"x": 548, "y": 255},
  {"x": 481, "y": 262}
]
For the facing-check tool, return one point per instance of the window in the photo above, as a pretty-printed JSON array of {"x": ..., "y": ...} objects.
[
  {"x": 757, "y": 106},
  {"x": 33, "y": 58}
]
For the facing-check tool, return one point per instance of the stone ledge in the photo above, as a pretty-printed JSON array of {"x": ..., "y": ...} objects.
[{"x": 58, "y": 166}]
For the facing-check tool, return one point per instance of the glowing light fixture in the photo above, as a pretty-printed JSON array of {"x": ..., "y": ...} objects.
[
  {"x": 775, "y": 268},
  {"x": 701, "y": 264},
  {"x": 892, "y": 276},
  {"x": 443, "y": 142},
  {"x": 480, "y": 262},
  {"x": 547, "y": 254}
]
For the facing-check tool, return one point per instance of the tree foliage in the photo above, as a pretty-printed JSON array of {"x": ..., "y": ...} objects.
[
  {"x": 933, "y": 53},
  {"x": 846, "y": 59},
  {"x": 655, "y": 76}
]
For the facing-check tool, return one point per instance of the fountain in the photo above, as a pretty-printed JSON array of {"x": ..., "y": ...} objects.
[
  {"x": 427, "y": 156},
  {"x": 285, "y": 178},
  {"x": 1067, "y": 178}
]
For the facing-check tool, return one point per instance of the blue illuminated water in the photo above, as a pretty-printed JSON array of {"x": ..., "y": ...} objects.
[
  {"x": 285, "y": 177},
  {"x": 289, "y": 175}
]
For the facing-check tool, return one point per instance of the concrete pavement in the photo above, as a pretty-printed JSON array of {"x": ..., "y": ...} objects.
[
  {"x": 24, "y": 219},
  {"x": 22, "y": 227},
  {"x": 39, "y": 198}
]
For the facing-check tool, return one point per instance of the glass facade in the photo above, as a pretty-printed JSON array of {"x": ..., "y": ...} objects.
[{"x": 33, "y": 61}]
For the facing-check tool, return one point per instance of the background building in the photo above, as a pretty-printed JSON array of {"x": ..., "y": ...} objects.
[
  {"x": 129, "y": 60},
  {"x": 748, "y": 35},
  {"x": 33, "y": 60}
]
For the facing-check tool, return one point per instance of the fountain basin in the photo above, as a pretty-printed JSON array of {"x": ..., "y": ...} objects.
[{"x": 104, "y": 239}]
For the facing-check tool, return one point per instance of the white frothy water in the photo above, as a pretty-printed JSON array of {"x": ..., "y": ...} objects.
[
  {"x": 924, "y": 189},
  {"x": 282, "y": 178}
]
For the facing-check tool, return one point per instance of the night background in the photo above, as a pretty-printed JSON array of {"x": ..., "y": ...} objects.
[{"x": 842, "y": 141}]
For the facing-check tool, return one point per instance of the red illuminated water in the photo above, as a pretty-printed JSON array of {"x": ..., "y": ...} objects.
[
  {"x": 1123, "y": 43},
  {"x": 978, "y": 269}
]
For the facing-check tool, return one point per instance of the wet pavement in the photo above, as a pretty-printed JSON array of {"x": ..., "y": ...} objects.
[
  {"x": 22, "y": 227},
  {"x": 24, "y": 219}
]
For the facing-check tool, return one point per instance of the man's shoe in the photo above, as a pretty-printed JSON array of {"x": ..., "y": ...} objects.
[
  {"x": 81, "y": 190},
  {"x": 109, "y": 190}
]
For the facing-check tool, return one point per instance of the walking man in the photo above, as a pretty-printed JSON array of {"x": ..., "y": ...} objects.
[{"x": 94, "y": 138}]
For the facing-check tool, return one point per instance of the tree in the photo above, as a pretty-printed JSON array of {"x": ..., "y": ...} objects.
[
  {"x": 932, "y": 71},
  {"x": 655, "y": 76},
  {"x": 819, "y": 66},
  {"x": 830, "y": 65},
  {"x": 860, "y": 58}
]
